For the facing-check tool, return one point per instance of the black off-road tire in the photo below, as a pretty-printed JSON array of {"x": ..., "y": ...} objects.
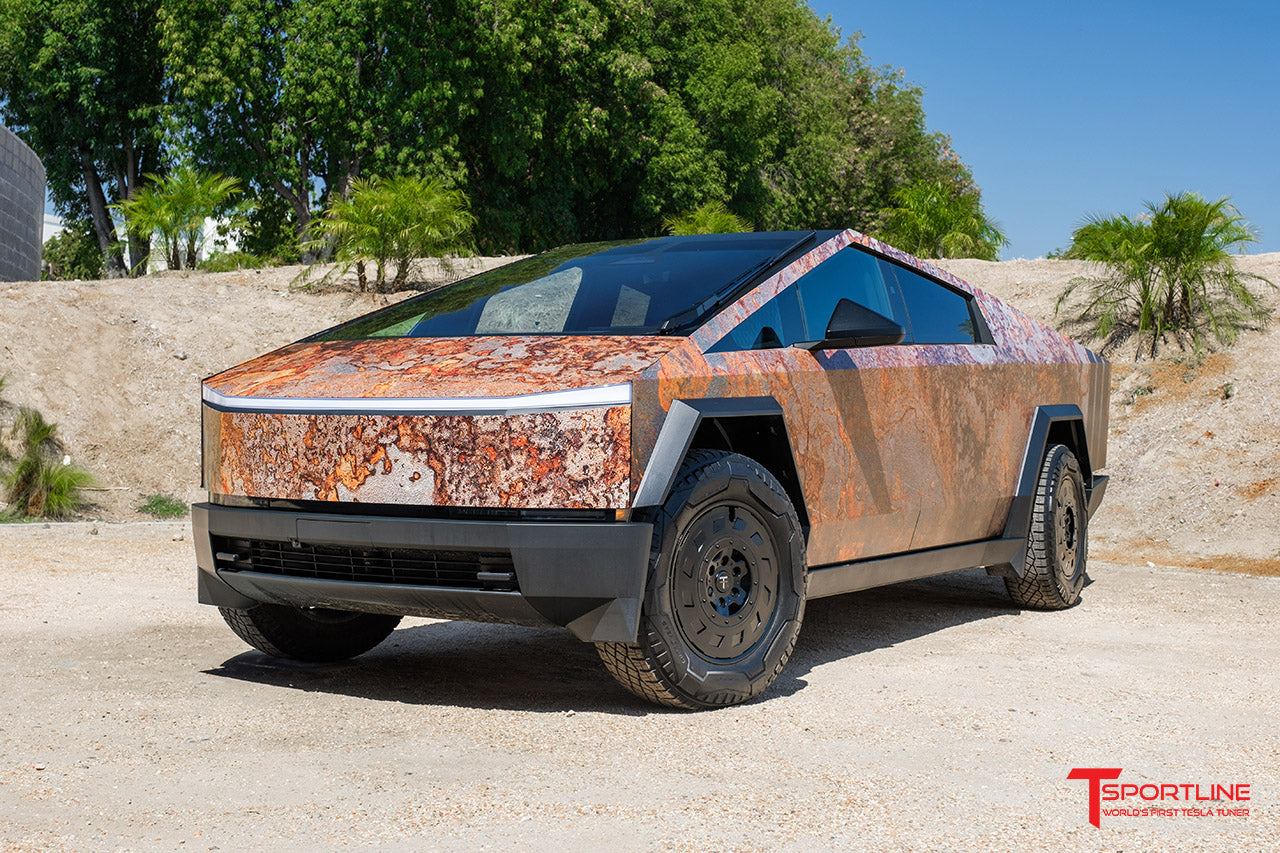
[
  {"x": 1058, "y": 541},
  {"x": 726, "y": 588},
  {"x": 309, "y": 634}
]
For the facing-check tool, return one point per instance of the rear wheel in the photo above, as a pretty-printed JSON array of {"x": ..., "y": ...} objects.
[
  {"x": 726, "y": 588},
  {"x": 311, "y": 634},
  {"x": 1057, "y": 544}
]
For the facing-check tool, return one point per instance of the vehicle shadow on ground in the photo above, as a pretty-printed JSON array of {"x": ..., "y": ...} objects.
[{"x": 503, "y": 667}]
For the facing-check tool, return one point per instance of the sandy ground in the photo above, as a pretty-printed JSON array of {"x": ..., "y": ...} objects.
[{"x": 928, "y": 716}]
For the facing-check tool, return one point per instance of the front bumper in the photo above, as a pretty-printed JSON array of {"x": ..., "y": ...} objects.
[{"x": 588, "y": 577}]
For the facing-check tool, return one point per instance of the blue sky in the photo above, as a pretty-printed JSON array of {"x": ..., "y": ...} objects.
[{"x": 1067, "y": 108}]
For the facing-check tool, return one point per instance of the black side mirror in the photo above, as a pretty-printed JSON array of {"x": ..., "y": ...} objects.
[{"x": 853, "y": 325}]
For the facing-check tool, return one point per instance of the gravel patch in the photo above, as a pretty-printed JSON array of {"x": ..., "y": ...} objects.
[{"x": 927, "y": 716}]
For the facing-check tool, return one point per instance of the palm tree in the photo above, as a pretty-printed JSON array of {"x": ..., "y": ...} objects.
[
  {"x": 175, "y": 206},
  {"x": 713, "y": 217},
  {"x": 1169, "y": 271},
  {"x": 391, "y": 222},
  {"x": 937, "y": 220}
]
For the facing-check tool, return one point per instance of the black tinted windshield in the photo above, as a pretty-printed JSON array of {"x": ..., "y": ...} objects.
[{"x": 588, "y": 289}]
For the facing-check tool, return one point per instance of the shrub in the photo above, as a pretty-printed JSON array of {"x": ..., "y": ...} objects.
[
  {"x": 933, "y": 219},
  {"x": 1168, "y": 272},
  {"x": 710, "y": 218},
  {"x": 42, "y": 482},
  {"x": 175, "y": 207},
  {"x": 231, "y": 261},
  {"x": 73, "y": 253},
  {"x": 390, "y": 222},
  {"x": 163, "y": 507}
]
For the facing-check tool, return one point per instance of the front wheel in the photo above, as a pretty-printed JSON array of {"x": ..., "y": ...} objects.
[
  {"x": 1057, "y": 544},
  {"x": 312, "y": 634},
  {"x": 726, "y": 588}
]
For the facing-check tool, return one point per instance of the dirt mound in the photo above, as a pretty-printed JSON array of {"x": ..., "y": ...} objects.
[
  {"x": 1195, "y": 442},
  {"x": 117, "y": 364}
]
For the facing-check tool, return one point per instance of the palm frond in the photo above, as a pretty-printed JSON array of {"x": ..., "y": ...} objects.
[
  {"x": 1168, "y": 272},
  {"x": 175, "y": 207},
  {"x": 390, "y": 223},
  {"x": 40, "y": 483},
  {"x": 712, "y": 217},
  {"x": 937, "y": 220}
]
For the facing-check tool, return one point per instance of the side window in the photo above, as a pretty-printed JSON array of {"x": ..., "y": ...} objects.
[
  {"x": 775, "y": 324},
  {"x": 848, "y": 274},
  {"x": 939, "y": 315}
]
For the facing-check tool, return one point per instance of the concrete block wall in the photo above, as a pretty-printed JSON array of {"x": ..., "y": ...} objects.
[{"x": 22, "y": 182}]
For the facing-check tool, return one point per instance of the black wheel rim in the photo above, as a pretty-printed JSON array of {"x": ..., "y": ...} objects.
[
  {"x": 725, "y": 581},
  {"x": 1067, "y": 531}
]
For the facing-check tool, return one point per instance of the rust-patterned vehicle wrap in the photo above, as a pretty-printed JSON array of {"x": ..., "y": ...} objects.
[
  {"x": 467, "y": 453},
  {"x": 519, "y": 475}
]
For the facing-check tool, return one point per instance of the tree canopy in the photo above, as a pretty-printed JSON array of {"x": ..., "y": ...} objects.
[
  {"x": 81, "y": 81},
  {"x": 561, "y": 120}
]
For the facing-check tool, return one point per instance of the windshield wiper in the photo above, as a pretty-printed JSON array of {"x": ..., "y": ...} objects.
[{"x": 726, "y": 293}]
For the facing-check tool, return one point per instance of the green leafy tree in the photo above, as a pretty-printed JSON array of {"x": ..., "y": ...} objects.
[
  {"x": 81, "y": 81},
  {"x": 938, "y": 220},
  {"x": 598, "y": 119},
  {"x": 842, "y": 135},
  {"x": 175, "y": 208},
  {"x": 549, "y": 115},
  {"x": 390, "y": 223},
  {"x": 566, "y": 121},
  {"x": 710, "y": 218},
  {"x": 73, "y": 253},
  {"x": 300, "y": 97},
  {"x": 1169, "y": 272},
  {"x": 267, "y": 231}
]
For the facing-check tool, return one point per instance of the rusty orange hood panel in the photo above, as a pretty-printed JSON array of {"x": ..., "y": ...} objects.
[
  {"x": 533, "y": 422},
  {"x": 391, "y": 368}
]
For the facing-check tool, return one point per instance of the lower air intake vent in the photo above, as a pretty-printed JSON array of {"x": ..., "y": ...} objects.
[{"x": 481, "y": 570}]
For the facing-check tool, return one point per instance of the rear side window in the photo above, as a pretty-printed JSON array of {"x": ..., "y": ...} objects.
[{"x": 936, "y": 314}]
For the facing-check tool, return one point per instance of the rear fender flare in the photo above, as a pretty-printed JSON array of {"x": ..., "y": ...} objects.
[{"x": 1067, "y": 425}]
